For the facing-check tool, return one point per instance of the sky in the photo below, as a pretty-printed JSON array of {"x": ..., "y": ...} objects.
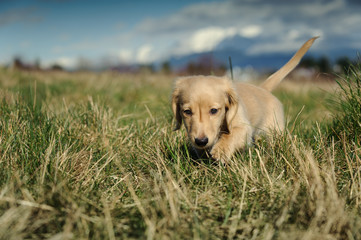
[{"x": 143, "y": 31}]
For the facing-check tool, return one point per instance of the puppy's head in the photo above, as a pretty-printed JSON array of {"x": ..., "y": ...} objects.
[{"x": 206, "y": 105}]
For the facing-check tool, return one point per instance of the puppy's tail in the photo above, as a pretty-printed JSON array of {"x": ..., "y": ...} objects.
[{"x": 273, "y": 80}]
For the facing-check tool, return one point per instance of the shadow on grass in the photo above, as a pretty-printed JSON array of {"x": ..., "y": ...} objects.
[{"x": 183, "y": 151}]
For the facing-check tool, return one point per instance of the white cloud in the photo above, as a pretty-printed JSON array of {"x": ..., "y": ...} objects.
[
  {"x": 66, "y": 62},
  {"x": 251, "y": 31},
  {"x": 195, "y": 16},
  {"x": 293, "y": 34},
  {"x": 126, "y": 56},
  {"x": 207, "y": 38},
  {"x": 273, "y": 47},
  {"x": 278, "y": 47},
  {"x": 144, "y": 54},
  {"x": 321, "y": 8}
]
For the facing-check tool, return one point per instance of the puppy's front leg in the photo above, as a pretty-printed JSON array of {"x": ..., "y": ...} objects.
[{"x": 227, "y": 144}]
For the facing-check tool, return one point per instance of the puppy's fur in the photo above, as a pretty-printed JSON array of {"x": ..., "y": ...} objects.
[{"x": 221, "y": 117}]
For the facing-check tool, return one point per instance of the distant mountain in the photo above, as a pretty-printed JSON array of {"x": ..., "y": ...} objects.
[
  {"x": 234, "y": 47},
  {"x": 235, "y": 43},
  {"x": 221, "y": 57}
]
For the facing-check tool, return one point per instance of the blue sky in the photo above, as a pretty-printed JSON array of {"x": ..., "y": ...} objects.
[{"x": 64, "y": 31}]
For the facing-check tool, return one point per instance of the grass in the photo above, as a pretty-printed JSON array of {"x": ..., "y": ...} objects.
[{"x": 93, "y": 156}]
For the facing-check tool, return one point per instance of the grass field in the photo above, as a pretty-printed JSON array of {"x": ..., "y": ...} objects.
[{"x": 93, "y": 156}]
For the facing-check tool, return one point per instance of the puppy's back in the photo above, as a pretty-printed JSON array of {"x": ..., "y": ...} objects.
[{"x": 261, "y": 107}]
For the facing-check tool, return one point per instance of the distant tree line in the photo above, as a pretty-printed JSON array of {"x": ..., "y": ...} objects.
[
  {"x": 324, "y": 65},
  {"x": 205, "y": 64},
  {"x": 19, "y": 64}
]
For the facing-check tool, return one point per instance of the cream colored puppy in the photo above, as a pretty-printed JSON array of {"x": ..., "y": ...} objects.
[{"x": 221, "y": 117}]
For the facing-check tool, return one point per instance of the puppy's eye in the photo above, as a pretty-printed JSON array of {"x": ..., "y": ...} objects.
[
  {"x": 187, "y": 112},
  {"x": 213, "y": 111}
]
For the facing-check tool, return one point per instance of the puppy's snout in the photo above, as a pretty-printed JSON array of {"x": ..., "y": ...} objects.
[{"x": 201, "y": 142}]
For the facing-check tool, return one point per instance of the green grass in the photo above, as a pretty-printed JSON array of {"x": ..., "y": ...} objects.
[{"x": 93, "y": 156}]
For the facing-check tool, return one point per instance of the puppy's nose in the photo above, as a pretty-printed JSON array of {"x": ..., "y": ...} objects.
[{"x": 201, "y": 142}]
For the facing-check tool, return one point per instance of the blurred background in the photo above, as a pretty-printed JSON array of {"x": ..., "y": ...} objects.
[{"x": 183, "y": 37}]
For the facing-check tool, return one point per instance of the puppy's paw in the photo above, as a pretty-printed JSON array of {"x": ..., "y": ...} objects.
[
  {"x": 220, "y": 153},
  {"x": 216, "y": 155}
]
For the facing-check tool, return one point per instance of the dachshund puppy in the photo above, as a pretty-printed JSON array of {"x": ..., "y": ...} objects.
[{"x": 221, "y": 117}]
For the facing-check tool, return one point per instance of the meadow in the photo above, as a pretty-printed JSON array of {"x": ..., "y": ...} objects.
[{"x": 93, "y": 156}]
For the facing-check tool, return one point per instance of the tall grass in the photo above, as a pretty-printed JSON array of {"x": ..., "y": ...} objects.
[
  {"x": 93, "y": 156},
  {"x": 348, "y": 122}
]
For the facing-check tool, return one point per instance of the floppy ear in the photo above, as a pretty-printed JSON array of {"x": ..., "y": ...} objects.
[
  {"x": 176, "y": 108},
  {"x": 231, "y": 107}
]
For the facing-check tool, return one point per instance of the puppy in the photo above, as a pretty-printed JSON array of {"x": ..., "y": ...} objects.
[{"x": 221, "y": 117}]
